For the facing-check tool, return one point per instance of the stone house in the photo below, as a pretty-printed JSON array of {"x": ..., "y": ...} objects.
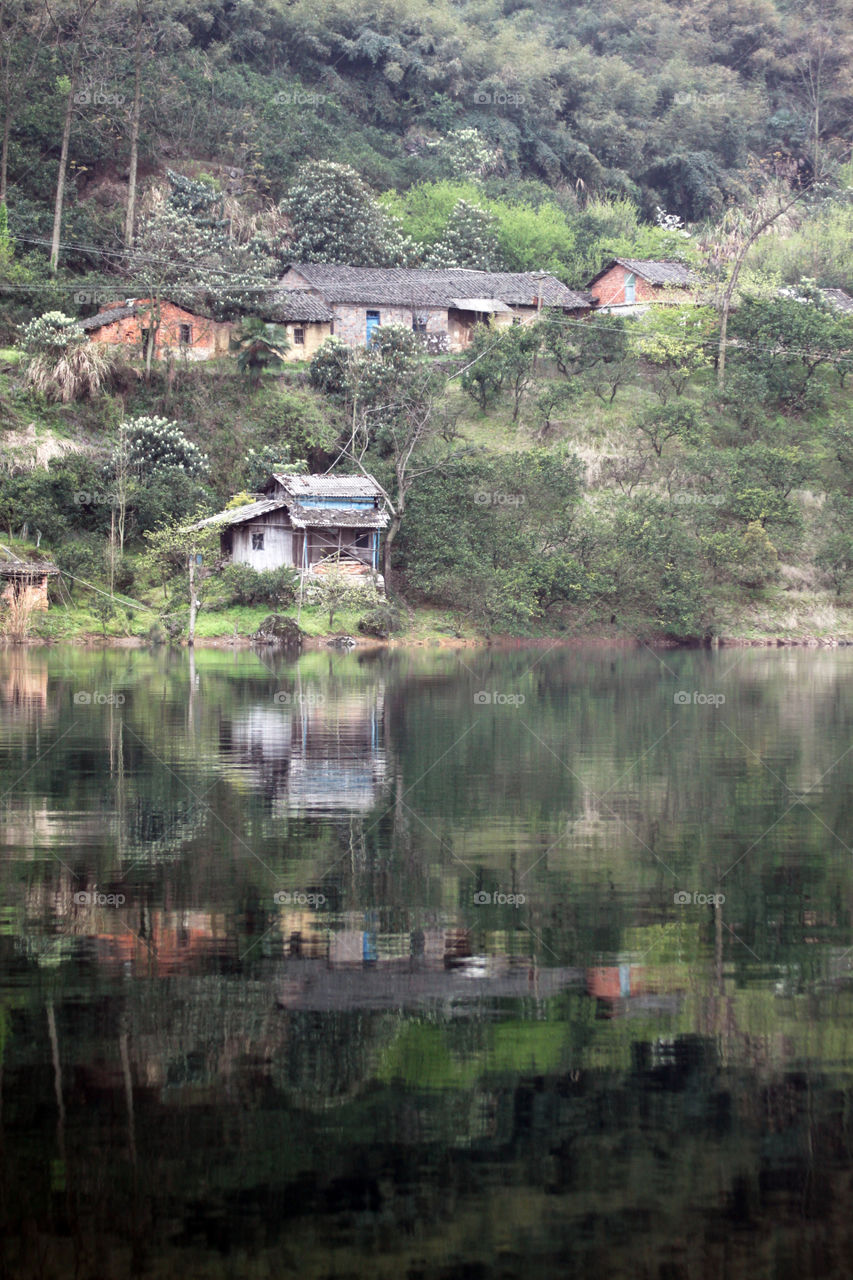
[
  {"x": 628, "y": 286},
  {"x": 180, "y": 332},
  {"x": 442, "y": 305},
  {"x": 308, "y": 523}
]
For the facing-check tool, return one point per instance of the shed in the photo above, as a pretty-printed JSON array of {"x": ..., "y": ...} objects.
[{"x": 307, "y": 522}]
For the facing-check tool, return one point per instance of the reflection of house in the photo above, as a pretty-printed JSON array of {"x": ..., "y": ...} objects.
[
  {"x": 628, "y": 285},
  {"x": 178, "y": 331},
  {"x": 307, "y": 522},
  {"x": 442, "y": 305},
  {"x": 311, "y": 752}
]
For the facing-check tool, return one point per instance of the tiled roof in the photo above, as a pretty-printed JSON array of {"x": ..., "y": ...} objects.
[
  {"x": 107, "y": 317},
  {"x": 656, "y": 273},
  {"x": 294, "y": 305},
  {"x": 418, "y": 286}
]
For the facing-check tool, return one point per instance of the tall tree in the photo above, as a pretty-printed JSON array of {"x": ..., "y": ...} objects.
[
  {"x": 23, "y": 24},
  {"x": 70, "y": 22}
]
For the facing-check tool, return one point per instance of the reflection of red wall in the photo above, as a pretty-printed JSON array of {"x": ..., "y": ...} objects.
[
  {"x": 176, "y": 941},
  {"x": 607, "y": 983}
]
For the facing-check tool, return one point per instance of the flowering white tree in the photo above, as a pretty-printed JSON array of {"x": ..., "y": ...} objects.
[
  {"x": 336, "y": 218},
  {"x": 62, "y": 363},
  {"x": 469, "y": 239}
]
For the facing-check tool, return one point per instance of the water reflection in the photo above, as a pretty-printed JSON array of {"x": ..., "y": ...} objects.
[{"x": 325, "y": 968}]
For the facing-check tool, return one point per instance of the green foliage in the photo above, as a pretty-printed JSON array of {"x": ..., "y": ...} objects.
[
  {"x": 259, "y": 346},
  {"x": 384, "y": 620},
  {"x": 244, "y": 585}
]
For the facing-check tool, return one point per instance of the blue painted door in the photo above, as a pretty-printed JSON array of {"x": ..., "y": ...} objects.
[{"x": 372, "y": 325}]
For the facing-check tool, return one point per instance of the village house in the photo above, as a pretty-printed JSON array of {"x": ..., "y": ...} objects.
[
  {"x": 442, "y": 305},
  {"x": 630, "y": 285},
  {"x": 179, "y": 333},
  {"x": 308, "y": 523},
  {"x": 306, "y": 319},
  {"x": 23, "y": 583}
]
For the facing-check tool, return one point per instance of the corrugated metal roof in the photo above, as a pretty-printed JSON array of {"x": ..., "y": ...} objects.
[
  {"x": 419, "y": 286},
  {"x": 329, "y": 486},
  {"x": 479, "y": 304},
  {"x": 239, "y": 515}
]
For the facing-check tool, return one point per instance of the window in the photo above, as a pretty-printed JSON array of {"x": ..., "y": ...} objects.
[
  {"x": 373, "y": 321},
  {"x": 419, "y": 323},
  {"x": 147, "y": 336},
  {"x": 631, "y": 288},
  {"x": 257, "y": 542},
  {"x": 185, "y": 335},
  {"x": 299, "y": 337},
  {"x": 363, "y": 540}
]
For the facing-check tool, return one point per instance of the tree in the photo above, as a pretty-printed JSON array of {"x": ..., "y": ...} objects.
[
  {"x": 23, "y": 25},
  {"x": 259, "y": 345},
  {"x": 335, "y": 218},
  {"x": 183, "y": 253},
  {"x": 469, "y": 240},
  {"x": 63, "y": 364},
  {"x": 71, "y": 28},
  {"x": 175, "y": 547},
  {"x": 485, "y": 370},
  {"x": 674, "y": 342}
]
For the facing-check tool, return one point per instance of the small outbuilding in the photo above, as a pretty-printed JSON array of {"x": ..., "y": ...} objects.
[
  {"x": 630, "y": 285},
  {"x": 24, "y": 582},
  {"x": 308, "y": 523}
]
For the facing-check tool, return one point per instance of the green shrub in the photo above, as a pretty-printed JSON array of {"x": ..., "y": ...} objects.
[
  {"x": 244, "y": 585},
  {"x": 381, "y": 621}
]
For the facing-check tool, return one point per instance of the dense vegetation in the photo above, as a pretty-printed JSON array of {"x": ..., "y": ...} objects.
[{"x": 613, "y": 474}]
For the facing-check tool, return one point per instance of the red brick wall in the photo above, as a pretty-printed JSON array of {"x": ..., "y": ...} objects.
[
  {"x": 610, "y": 288},
  {"x": 209, "y": 337}
]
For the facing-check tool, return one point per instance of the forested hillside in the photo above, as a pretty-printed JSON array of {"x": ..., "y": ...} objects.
[{"x": 684, "y": 474}]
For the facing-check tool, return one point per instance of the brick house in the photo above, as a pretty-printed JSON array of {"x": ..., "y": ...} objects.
[
  {"x": 631, "y": 285},
  {"x": 442, "y": 305},
  {"x": 308, "y": 523},
  {"x": 180, "y": 332}
]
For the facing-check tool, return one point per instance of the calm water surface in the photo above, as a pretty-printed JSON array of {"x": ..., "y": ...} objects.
[{"x": 426, "y": 965}]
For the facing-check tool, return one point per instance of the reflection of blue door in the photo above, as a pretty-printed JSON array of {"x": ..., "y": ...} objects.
[{"x": 372, "y": 325}]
